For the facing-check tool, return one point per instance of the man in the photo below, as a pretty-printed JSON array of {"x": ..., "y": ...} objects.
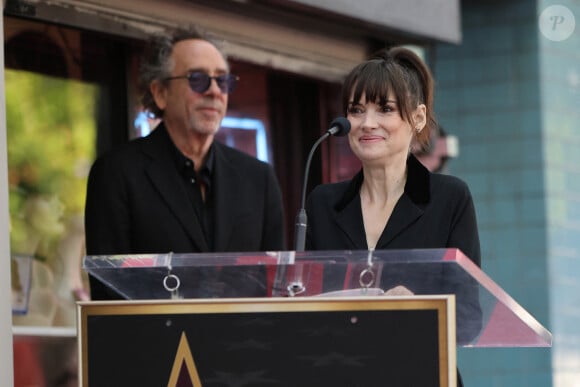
[{"x": 177, "y": 189}]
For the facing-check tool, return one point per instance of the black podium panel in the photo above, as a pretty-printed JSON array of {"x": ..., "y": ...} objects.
[{"x": 285, "y": 342}]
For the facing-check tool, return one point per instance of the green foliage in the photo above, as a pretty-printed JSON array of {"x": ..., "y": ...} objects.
[{"x": 51, "y": 129}]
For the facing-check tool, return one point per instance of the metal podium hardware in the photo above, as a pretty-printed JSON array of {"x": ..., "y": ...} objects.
[
  {"x": 295, "y": 288},
  {"x": 173, "y": 289},
  {"x": 366, "y": 279},
  {"x": 287, "y": 260}
]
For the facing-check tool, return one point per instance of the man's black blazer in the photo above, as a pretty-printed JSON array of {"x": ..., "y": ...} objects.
[{"x": 137, "y": 204}]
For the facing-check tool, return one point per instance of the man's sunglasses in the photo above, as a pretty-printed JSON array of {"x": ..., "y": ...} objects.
[{"x": 200, "y": 82}]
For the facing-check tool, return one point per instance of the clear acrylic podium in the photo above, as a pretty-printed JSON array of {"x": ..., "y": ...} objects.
[{"x": 486, "y": 316}]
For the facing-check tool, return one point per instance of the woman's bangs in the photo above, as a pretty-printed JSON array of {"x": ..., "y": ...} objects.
[{"x": 373, "y": 82}]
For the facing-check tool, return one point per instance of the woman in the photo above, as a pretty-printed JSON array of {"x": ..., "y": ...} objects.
[{"x": 394, "y": 202}]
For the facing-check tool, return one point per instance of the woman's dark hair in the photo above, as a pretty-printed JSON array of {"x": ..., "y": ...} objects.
[
  {"x": 399, "y": 71},
  {"x": 156, "y": 63}
]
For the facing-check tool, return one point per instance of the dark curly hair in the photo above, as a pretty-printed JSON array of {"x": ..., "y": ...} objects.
[
  {"x": 397, "y": 70},
  {"x": 156, "y": 63}
]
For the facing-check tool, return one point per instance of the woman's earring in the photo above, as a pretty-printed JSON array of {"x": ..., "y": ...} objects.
[{"x": 418, "y": 130}]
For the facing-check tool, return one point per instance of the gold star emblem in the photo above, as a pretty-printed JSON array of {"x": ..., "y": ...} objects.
[{"x": 184, "y": 372}]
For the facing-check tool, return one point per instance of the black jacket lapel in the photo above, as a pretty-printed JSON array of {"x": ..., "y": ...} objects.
[
  {"x": 404, "y": 214},
  {"x": 169, "y": 185},
  {"x": 226, "y": 198},
  {"x": 407, "y": 210},
  {"x": 350, "y": 221},
  {"x": 348, "y": 214},
  {"x": 410, "y": 206}
]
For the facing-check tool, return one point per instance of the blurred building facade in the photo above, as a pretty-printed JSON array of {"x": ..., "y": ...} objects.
[{"x": 510, "y": 91}]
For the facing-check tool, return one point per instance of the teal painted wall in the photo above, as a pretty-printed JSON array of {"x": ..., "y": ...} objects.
[
  {"x": 512, "y": 97},
  {"x": 559, "y": 80}
]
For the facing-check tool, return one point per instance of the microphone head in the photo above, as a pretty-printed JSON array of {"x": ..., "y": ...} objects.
[{"x": 340, "y": 126}]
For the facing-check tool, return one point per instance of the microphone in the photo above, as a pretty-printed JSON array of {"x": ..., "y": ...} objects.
[{"x": 340, "y": 126}]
